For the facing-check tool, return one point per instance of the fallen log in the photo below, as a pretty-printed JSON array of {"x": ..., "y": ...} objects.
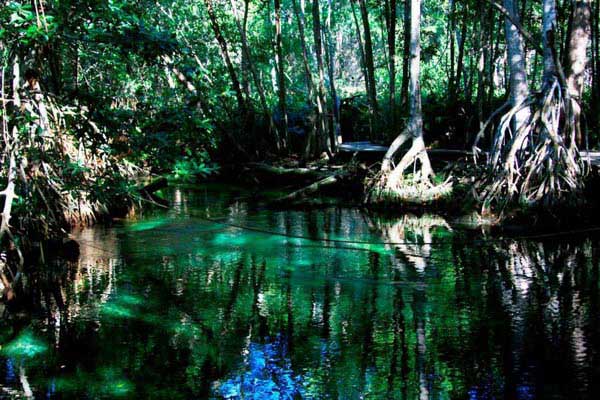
[
  {"x": 313, "y": 188},
  {"x": 155, "y": 185},
  {"x": 292, "y": 173},
  {"x": 148, "y": 191}
]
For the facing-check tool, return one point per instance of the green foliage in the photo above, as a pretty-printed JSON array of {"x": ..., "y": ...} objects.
[{"x": 193, "y": 166}]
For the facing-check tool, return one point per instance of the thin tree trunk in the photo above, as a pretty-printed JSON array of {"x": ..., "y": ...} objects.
[
  {"x": 452, "y": 39},
  {"x": 235, "y": 83},
  {"x": 334, "y": 130},
  {"x": 361, "y": 47},
  {"x": 317, "y": 31},
  {"x": 461, "y": 57},
  {"x": 311, "y": 142},
  {"x": 405, "y": 53},
  {"x": 245, "y": 61},
  {"x": 548, "y": 34},
  {"x": 370, "y": 65},
  {"x": 482, "y": 62},
  {"x": 280, "y": 71},
  {"x": 391, "y": 17},
  {"x": 596, "y": 58},
  {"x": 414, "y": 130},
  {"x": 255, "y": 75},
  {"x": 494, "y": 59},
  {"x": 416, "y": 115}
]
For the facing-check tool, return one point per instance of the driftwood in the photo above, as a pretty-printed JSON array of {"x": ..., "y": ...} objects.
[
  {"x": 300, "y": 173},
  {"x": 310, "y": 189},
  {"x": 148, "y": 191}
]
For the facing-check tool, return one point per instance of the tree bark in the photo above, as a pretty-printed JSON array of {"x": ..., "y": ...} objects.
[
  {"x": 452, "y": 39},
  {"x": 391, "y": 17},
  {"x": 548, "y": 35},
  {"x": 361, "y": 48},
  {"x": 414, "y": 130},
  {"x": 519, "y": 88},
  {"x": 245, "y": 62},
  {"x": 255, "y": 76},
  {"x": 461, "y": 58},
  {"x": 280, "y": 70},
  {"x": 317, "y": 33},
  {"x": 235, "y": 82},
  {"x": 416, "y": 116},
  {"x": 334, "y": 129},
  {"x": 578, "y": 44},
  {"x": 405, "y": 53},
  {"x": 311, "y": 142},
  {"x": 370, "y": 65},
  {"x": 580, "y": 32}
]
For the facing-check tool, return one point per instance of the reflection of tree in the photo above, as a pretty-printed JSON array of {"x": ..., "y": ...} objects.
[
  {"x": 431, "y": 316},
  {"x": 412, "y": 235},
  {"x": 550, "y": 290},
  {"x": 413, "y": 238}
]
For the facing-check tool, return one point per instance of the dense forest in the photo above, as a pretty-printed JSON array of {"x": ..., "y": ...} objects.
[
  {"x": 299, "y": 199},
  {"x": 101, "y": 97}
]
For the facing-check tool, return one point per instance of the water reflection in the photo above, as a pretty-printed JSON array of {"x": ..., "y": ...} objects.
[{"x": 306, "y": 304}]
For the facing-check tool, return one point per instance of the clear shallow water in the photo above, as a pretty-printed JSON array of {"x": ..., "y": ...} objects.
[{"x": 175, "y": 305}]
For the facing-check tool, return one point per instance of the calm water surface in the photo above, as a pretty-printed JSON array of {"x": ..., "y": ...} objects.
[{"x": 316, "y": 304}]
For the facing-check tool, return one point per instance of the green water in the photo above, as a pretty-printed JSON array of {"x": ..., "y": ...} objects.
[{"x": 185, "y": 303}]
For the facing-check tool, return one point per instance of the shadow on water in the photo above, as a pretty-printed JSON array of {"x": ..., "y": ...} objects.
[{"x": 333, "y": 303}]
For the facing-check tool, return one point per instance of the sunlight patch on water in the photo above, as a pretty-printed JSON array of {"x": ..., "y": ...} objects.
[
  {"x": 106, "y": 382},
  {"x": 139, "y": 226},
  {"x": 25, "y": 345}
]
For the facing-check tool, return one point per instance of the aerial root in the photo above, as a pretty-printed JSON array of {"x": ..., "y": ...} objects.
[
  {"x": 394, "y": 186},
  {"x": 540, "y": 162}
]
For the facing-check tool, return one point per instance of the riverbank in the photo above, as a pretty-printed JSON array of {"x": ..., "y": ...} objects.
[{"x": 291, "y": 184}]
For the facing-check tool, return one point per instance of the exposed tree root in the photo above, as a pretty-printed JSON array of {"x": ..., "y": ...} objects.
[
  {"x": 310, "y": 189},
  {"x": 59, "y": 178},
  {"x": 539, "y": 163},
  {"x": 392, "y": 185}
]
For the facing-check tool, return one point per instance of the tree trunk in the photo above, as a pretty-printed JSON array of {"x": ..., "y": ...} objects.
[
  {"x": 414, "y": 130},
  {"x": 245, "y": 62},
  {"x": 369, "y": 63},
  {"x": 361, "y": 48},
  {"x": 519, "y": 89},
  {"x": 280, "y": 71},
  {"x": 452, "y": 39},
  {"x": 256, "y": 77},
  {"x": 548, "y": 35},
  {"x": 578, "y": 44},
  {"x": 317, "y": 31},
  {"x": 391, "y": 17},
  {"x": 579, "y": 39},
  {"x": 483, "y": 58},
  {"x": 461, "y": 57},
  {"x": 405, "y": 53},
  {"x": 311, "y": 141},
  {"x": 235, "y": 83},
  {"x": 416, "y": 115},
  {"x": 595, "y": 58},
  {"x": 334, "y": 129}
]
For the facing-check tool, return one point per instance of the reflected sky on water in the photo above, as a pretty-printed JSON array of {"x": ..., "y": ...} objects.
[{"x": 329, "y": 303}]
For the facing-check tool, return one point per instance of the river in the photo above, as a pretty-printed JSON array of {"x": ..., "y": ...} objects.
[{"x": 218, "y": 297}]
